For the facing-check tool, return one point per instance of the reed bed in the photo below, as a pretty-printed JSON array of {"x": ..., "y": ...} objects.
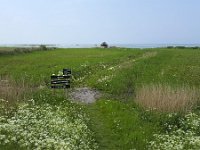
[{"x": 166, "y": 98}]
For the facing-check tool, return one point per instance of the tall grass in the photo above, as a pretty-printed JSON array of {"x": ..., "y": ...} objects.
[
  {"x": 166, "y": 98},
  {"x": 11, "y": 91}
]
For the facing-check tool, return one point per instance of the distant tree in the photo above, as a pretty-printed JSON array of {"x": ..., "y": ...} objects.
[
  {"x": 43, "y": 47},
  {"x": 170, "y": 46},
  {"x": 195, "y": 47},
  {"x": 180, "y": 47},
  {"x": 104, "y": 45}
]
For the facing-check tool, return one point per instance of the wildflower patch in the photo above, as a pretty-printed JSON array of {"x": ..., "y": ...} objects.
[
  {"x": 46, "y": 127},
  {"x": 179, "y": 138}
]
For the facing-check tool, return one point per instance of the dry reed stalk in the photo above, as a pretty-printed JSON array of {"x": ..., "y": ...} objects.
[
  {"x": 11, "y": 92},
  {"x": 167, "y": 99}
]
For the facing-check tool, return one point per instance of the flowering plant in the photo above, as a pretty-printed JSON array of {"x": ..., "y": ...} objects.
[{"x": 46, "y": 127}]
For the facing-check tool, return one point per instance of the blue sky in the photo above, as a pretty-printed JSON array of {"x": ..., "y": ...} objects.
[{"x": 94, "y": 21}]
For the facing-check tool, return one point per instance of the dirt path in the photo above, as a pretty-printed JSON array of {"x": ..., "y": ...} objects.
[{"x": 85, "y": 95}]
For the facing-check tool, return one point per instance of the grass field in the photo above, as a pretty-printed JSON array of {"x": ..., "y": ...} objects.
[{"x": 150, "y": 99}]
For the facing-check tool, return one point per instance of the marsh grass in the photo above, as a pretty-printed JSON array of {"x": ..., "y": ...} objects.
[
  {"x": 117, "y": 124},
  {"x": 166, "y": 98},
  {"x": 12, "y": 92}
]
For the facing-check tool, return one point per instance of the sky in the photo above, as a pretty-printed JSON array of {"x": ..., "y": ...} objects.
[{"x": 95, "y": 21}]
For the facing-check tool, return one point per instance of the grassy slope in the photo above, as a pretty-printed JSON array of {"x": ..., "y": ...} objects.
[{"x": 117, "y": 125}]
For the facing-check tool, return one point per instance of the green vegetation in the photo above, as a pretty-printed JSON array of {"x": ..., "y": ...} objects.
[
  {"x": 19, "y": 50},
  {"x": 140, "y": 90},
  {"x": 184, "y": 134},
  {"x": 119, "y": 125},
  {"x": 46, "y": 126}
]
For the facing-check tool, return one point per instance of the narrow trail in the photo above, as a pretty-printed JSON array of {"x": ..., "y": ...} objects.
[
  {"x": 102, "y": 122},
  {"x": 102, "y": 132},
  {"x": 129, "y": 63},
  {"x": 126, "y": 64},
  {"x": 87, "y": 95}
]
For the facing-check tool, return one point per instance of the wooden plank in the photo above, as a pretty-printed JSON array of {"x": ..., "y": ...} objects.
[
  {"x": 60, "y": 86},
  {"x": 60, "y": 81},
  {"x": 60, "y": 77}
]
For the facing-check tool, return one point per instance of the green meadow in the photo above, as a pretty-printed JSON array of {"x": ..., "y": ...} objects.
[{"x": 149, "y": 99}]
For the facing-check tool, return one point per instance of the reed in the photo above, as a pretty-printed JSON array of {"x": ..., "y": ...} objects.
[
  {"x": 12, "y": 92},
  {"x": 166, "y": 98}
]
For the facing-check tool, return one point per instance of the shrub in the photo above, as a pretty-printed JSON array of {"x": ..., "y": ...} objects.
[
  {"x": 43, "y": 47},
  {"x": 104, "y": 45},
  {"x": 170, "y": 46},
  {"x": 180, "y": 47}
]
